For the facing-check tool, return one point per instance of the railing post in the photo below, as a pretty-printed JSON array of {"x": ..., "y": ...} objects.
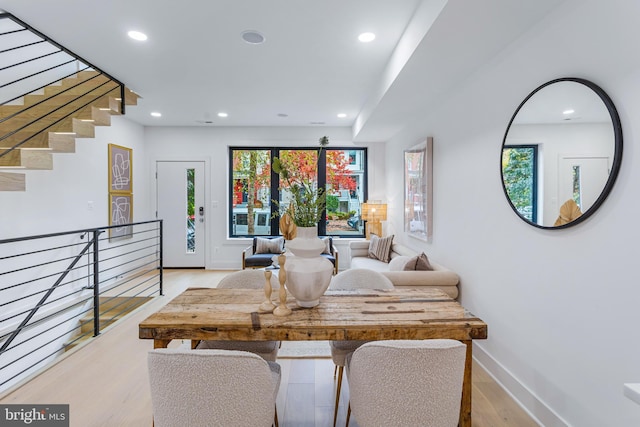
[
  {"x": 161, "y": 263},
  {"x": 96, "y": 285}
]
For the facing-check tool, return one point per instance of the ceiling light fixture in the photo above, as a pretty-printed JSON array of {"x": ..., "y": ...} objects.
[
  {"x": 283, "y": 115},
  {"x": 252, "y": 37},
  {"x": 156, "y": 114},
  {"x": 565, "y": 112},
  {"x": 137, "y": 35},
  {"x": 366, "y": 37},
  {"x": 223, "y": 114},
  {"x": 341, "y": 115}
]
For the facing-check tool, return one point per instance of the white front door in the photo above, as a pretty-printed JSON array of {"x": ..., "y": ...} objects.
[{"x": 180, "y": 204}]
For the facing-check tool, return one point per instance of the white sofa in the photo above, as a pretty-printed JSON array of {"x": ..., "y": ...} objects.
[{"x": 440, "y": 277}]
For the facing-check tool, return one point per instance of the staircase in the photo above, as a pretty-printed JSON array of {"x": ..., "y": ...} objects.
[
  {"x": 51, "y": 122},
  {"x": 112, "y": 309},
  {"x": 49, "y": 98}
]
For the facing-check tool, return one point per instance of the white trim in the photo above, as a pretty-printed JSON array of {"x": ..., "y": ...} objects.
[{"x": 520, "y": 393}]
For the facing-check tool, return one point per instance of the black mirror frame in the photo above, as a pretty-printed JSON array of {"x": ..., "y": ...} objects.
[{"x": 617, "y": 157}]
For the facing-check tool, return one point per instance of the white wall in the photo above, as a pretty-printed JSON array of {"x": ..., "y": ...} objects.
[
  {"x": 562, "y": 306},
  {"x": 210, "y": 144},
  {"x": 59, "y": 199}
]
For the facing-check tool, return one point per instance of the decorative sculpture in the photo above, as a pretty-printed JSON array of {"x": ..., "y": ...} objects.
[
  {"x": 282, "y": 309},
  {"x": 267, "y": 305},
  {"x": 287, "y": 227}
]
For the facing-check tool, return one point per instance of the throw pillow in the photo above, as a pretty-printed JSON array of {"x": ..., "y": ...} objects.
[
  {"x": 419, "y": 262},
  {"x": 380, "y": 248},
  {"x": 327, "y": 245},
  {"x": 398, "y": 263},
  {"x": 269, "y": 246}
]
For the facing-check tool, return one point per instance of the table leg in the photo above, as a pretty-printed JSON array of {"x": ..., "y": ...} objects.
[
  {"x": 465, "y": 406},
  {"x": 161, "y": 343}
]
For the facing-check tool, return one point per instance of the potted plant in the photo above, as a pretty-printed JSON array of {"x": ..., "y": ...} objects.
[{"x": 307, "y": 273}]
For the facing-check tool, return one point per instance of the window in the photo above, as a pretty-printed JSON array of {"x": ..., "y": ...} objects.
[
  {"x": 254, "y": 188},
  {"x": 520, "y": 166}
]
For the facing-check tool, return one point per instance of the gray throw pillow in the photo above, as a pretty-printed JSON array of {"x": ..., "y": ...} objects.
[
  {"x": 269, "y": 246},
  {"x": 419, "y": 262}
]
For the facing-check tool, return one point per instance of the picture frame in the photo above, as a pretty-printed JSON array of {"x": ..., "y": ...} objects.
[
  {"x": 121, "y": 213},
  {"x": 120, "y": 169},
  {"x": 418, "y": 190}
]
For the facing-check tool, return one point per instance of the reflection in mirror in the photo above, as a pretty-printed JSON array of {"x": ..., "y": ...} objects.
[{"x": 561, "y": 153}]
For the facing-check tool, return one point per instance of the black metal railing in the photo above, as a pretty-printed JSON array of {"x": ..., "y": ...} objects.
[
  {"x": 35, "y": 62},
  {"x": 59, "y": 289}
]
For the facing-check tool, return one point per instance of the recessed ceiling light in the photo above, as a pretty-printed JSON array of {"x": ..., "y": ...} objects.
[
  {"x": 156, "y": 114},
  {"x": 366, "y": 37},
  {"x": 341, "y": 115},
  {"x": 252, "y": 37},
  {"x": 223, "y": 114},
  {"x": 137, "y": 35},
  {"x": 565, "y": 112}
]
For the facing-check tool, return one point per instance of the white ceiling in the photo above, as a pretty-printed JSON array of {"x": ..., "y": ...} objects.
[{"x": 311, "y": 66}]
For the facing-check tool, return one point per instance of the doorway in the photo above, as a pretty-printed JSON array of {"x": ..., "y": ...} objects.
[{"x": 181, "y": 205}]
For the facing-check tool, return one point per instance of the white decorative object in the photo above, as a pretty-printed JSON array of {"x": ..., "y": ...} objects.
[
  {"x": 267, "y": 305},
  {"x": 308, "y": 273},
  {"x": 282, "y": 309}
]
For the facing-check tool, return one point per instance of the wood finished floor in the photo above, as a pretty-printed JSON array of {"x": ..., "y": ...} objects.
[{"x": 105, "y": 382}]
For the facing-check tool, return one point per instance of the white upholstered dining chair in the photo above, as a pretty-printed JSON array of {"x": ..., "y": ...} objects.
[
  {"x": 357, "y": 278},
  {"x": 406, "y": 383},
  {"x": 246, "y": 279},
  {"x": 212, "y": 388}
]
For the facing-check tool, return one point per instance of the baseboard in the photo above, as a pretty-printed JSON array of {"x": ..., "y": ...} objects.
[{"x": 520, "y": 393}]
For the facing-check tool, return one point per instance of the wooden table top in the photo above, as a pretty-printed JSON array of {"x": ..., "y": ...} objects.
[{"x": 233, "y": 314}]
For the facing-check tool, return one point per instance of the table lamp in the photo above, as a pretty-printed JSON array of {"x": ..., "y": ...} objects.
[{"x": 374, "y": 211}]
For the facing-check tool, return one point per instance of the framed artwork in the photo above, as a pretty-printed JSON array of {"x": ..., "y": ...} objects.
[
  {"x": 418, "y": 190},
  {"x": 121, "y": 213},
  {"x": 120, "y": 169}
]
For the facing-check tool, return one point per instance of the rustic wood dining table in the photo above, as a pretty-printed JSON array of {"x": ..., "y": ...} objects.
[{"x": 363, "y": 314}]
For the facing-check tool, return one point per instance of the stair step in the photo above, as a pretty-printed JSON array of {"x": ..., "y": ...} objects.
[
  {"x": 12, "y": 181},
  {"x": 113, "y": 309},
  {"x": 27, "y": 159}
]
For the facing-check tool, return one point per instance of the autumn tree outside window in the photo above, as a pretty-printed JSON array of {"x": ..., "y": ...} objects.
[{"x": 254, "y": 188}]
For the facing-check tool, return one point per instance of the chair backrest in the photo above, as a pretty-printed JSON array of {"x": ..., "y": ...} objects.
[
  {"x": 360, "y": 278},
  {"x": 211, "y": 388},
  {"x": 247, "y": 279},
  {"x": 407, "y": 382}
]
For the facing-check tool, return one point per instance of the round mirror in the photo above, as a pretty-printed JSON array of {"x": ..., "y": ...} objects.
[{"x": 561, "y": 153}]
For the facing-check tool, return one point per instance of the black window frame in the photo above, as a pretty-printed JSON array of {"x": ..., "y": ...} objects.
[{"x": 275, "y": 191}]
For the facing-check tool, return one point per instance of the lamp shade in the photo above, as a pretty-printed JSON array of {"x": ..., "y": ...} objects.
[{"x": 374, "y": 211}]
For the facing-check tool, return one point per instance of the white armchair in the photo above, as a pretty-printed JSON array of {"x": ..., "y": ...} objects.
[
  {"x": 212, "y": 387},
  {"x": 406, "y": 383}
]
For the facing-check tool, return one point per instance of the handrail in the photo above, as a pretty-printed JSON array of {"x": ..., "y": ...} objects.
[
  {"x": 43, "y": 74},
  {"x": 57, "y": 289},
  {"x": 48, "y": 294},
  {"x": 59, "y": 46}
]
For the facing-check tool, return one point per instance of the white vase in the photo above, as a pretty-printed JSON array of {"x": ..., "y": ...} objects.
[{"x": 308, "y": 273}]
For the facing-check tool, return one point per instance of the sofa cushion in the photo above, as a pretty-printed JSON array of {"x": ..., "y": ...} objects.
[
  {"x": 269, "y": 246},
  {"x": 370, "y": 263},
  {"x": 380, "y": 248},
  {"x": 398, "y": 263}
]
